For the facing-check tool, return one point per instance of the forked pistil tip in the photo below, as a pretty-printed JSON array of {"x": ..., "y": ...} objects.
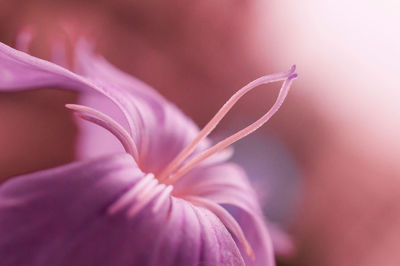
[{"x": 293, "y": 76}]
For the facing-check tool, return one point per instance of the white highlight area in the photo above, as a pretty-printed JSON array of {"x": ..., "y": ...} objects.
[{"x": 348, "y": 53}]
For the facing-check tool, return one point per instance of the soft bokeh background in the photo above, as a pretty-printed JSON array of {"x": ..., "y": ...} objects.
[{"x": 328, "y": 160}]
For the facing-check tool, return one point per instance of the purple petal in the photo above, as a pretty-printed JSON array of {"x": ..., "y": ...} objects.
[
  {"x": 217, "y": 182},
  {"x": 254, "y": 228},
  {"x": 159, "y": 129},
  {"x": 196, "y": 237},
  {"x": 59, "y": 217},
  {"x": 20, "y": 71},
  {"x": 165, "y": 130},
  {"x": 227, "y": 184}
]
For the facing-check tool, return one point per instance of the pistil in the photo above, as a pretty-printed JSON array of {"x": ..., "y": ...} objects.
[
  {"x": 109, "y": 124},
  {"x": 172, "y": 172}
]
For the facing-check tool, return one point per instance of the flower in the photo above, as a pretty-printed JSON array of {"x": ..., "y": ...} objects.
[{"x": 164, "y": 201}]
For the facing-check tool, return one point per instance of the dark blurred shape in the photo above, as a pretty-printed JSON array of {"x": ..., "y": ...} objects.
[{"x": 36, "y": 131}]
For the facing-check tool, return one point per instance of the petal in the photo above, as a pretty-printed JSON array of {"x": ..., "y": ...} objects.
[
  {"x": 59, "y": 217},
  {"x": 159, "y": 129},
  {"x": 20, "y": 71},
  {"x": 195, "y": 236},
  {"x": 219, "y": 181},
  {"x": 227, "y": 184},
  {"x": 281, "y": 240},
  {"x": 165, "y": 129},
  {"x": 256, "y": 232}
]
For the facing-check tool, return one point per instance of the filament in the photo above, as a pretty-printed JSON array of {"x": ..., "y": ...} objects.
[
  {"x": 162, "y": 198},
  {"x": 131, "y": 194},
  {"x": 149, "y": 196}
]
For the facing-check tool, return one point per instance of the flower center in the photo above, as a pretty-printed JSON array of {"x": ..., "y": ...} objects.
[
  {"x": 144, "y": 191},
  {"x": 159, "y": 188}
]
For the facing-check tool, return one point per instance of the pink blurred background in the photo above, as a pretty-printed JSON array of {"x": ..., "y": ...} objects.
[{"x": 330, "y": 154}]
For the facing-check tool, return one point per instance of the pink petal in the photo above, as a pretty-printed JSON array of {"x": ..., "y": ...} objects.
[
  {"x": 282, "y": 242},
  {"x": 159, "y": 129},
  {"x": 191, "y": 236},
  {"x": 227, "y": 184},
  {"x": 165, "y": 130},
  {"x": 20, "y": 71},
  {"x": 59, "y": 217}
]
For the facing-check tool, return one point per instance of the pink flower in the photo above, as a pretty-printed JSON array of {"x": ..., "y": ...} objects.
[{"x": 161, "y": 202}]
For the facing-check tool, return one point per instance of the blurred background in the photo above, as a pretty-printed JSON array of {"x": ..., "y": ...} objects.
[{"x": 327, "y": 162}]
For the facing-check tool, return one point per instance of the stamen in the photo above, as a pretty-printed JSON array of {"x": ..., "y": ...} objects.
[
  {"x": 130, "y": 194},
  {"x": 237, "y": 136},
  {"x": 226, "y": 218},
  {"x": 144, "y": 201},
  {"x": 142, "y": 194},
  {"x": 108, "y": 123},
  {"x": 161, "y": 199},
  {"x": 218, "y": 117}
]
